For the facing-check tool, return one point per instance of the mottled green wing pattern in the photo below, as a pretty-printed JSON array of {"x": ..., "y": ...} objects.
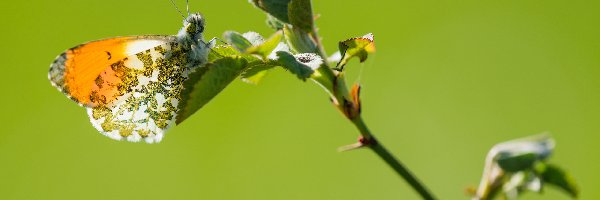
[{"x": 151, "y": 88}]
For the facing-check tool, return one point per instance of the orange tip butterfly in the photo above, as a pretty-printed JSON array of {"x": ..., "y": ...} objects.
[{"x": 131, "y": 86}]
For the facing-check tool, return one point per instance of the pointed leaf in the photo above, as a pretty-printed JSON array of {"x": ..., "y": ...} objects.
[
  {"x": 300, "y": 14},
  {"x": 276, "y": 8},
  {"x": 355, "y": 94},
  {"x": 540, "y": 146},
  {"x": 554, "y": 175},
  {"x": 255, "y": 73},
  {"x": 356, "y": 47},
  {"x": 274, "y": 23},
  {"x": 513, "y": 184},
  {"x": 254, "y": 38},
  {"x": 237, "y": 40},
  {"x": 302, "y": 65},
  {"x": 510, "y": 166},
  {"x": 206, "y": 82},
  {"x": 267, "y": 46},
  {"x": 311, "y": 60},
  {"x": 222, "y": 51},
  {"x": 280, "y": 47},
  {"x": 515, "y": 163},
  {"x": 299, "y": 41}
]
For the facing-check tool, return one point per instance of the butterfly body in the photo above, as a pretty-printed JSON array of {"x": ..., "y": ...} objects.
[{"x": 131, "y": 86}]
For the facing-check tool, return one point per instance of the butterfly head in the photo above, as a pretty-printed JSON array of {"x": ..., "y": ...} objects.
[{"x": 193, "y": 27}]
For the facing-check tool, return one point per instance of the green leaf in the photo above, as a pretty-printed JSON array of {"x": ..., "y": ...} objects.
[
  {"x": 298, "y": 40},
  {"x": 517, "y": 183},
  {"x": 266, "y": 47},
  {"x": 259, "y": 68},
  {"x": 276, "y": 8},
  {"x": 222, "y": 51},
  {"x": 254, "y": 38},
  {"x": 206, "y": 82},
  {"x": 554, "y": 175},
  {"x": 356, "y": 47},
  {"x": 523, "y": 151},
  {"x": 302, "y": 65},
  {"x": 300, "y": 15},
  {"x": 274, "y": 23},
  {"x": 515, "y": 163},
  {"x": 512, "y": 166},
  {"x": 237, "y": 40},
  {"x": 255, "y": 73}
]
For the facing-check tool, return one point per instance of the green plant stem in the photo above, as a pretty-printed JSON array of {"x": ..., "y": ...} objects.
[
  {"x": 336, "y": 86},
  {"x": 389, "y": 159}
]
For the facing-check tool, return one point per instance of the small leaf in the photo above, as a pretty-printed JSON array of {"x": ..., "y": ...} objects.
[
  {"x": 515, "y": 163},
  {"x": 539, "y": 145},
  {"x": 260, "y": 68},
  {"x": 276, "y": 8},
  {"x": 513, "y": 184},
  {"x": 254, "y": 38},
  {"x": 299, "y": 41},
  {"x": 302, "y": 65},
  {"x": 310, "y": 59},
  {"x": 280, "y": 47},
  {"x": 356, "y": 47},
  {"x": 255, "y": 73},
  {"x": 206, "y": 82},
  {"x": 274, "y": 23},
  {"x": 554, "y": 175},
  {"x": 237, "y": 40},
  {"x": 355, "y": 94},
  {"x": 254, "y": 78},
  {"x": 511, "y": 165},
  {"x": 267, "y": 46},
  {"x": 300, "y": 15},
  {"x": 221, "y": 51}
]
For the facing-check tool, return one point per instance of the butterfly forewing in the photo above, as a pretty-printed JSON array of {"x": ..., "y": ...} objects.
[{"x": 74, "y": 71}]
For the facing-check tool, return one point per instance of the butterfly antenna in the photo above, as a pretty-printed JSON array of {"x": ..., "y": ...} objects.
[
  {"x": 187, "y": 5},
  {"x": 177, "y": 8}
]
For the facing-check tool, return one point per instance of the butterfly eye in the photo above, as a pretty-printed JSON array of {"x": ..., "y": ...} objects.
[{"x": 191, "y": 28}]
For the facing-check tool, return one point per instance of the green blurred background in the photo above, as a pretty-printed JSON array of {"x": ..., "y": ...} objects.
[{"x": 450, "y": 79}]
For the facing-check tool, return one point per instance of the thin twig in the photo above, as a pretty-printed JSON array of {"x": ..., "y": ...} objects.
[
  {"x": 389, "y": 159},
  {"x": 340, "y": 94}
]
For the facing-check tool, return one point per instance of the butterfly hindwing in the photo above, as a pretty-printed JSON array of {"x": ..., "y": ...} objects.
[{"x": 147, "y": 95}]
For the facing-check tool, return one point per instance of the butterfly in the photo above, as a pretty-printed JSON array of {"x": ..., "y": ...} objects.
[{"x": 131, "y": 86}]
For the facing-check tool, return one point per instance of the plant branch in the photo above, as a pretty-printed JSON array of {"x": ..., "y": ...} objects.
[
  {"x": 369, "y": 140},
  {"x": 350, "y": 107}
]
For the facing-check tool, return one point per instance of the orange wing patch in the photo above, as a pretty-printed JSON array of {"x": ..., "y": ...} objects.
[{"x": 78, "y": 71}]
